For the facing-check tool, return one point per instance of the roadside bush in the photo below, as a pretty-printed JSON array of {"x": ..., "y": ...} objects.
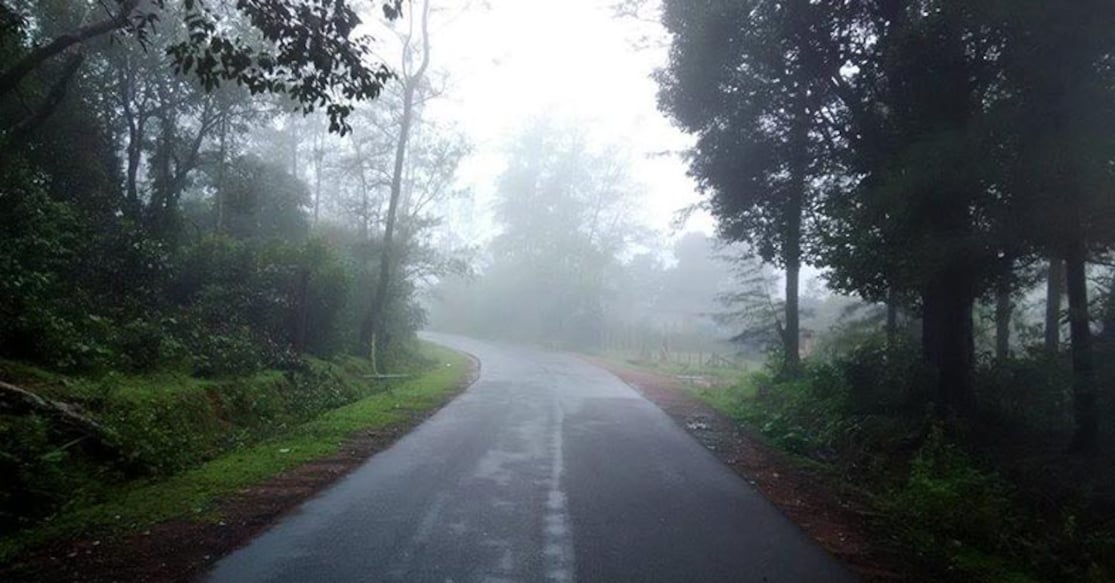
[
  {"x": 251, "y": 304},
  {"x": 39, "y": 312},
  {"x": 181, "y": 426},
  {"x": 40, "y": 474},
  {"x": 1031, "y": 393},
  {"x": 948, "y": 501},
  {"x": 868, "y": 399},
  {"x": 68, "y": 281},
  {"x": 867, "y": 411},
  {"x": 163, "y": 423},
  {"x": 790, "y": 412},
  {"x": 884, "y": 378}
]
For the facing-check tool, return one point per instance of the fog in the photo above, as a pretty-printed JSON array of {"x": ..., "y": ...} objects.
[
  {"x": 508, "y": 63},
  {"x": 245, "y": 245}
]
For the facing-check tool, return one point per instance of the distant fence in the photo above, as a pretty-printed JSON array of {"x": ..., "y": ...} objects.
[{"x": 673, "y": 346}]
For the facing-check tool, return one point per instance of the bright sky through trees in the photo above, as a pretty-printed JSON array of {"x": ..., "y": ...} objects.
[{"x": 512, "y": 60}]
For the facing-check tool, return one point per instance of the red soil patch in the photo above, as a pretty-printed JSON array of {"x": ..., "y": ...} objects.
[{"x": 182, "y": 549}]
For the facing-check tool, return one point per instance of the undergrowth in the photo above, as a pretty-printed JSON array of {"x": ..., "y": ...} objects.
[
  {"x": 957, "y": 504},
  {"x": 184, "y": 439}
]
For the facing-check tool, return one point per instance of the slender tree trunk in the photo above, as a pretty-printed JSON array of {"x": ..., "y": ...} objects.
[
  {"x": 160, "y": 193},
  {"x": 135, "y": 115},
  {"x": 376, "y": 321},
  {"x": 223, "y": 153},
  {"x": 374, "y": 327},
  {"x": 293, "y": 129},
  {"x": 135, "y": 150},
  {"x": 792, "y": 332},
  {"x": 892, "y": 316},
  {"x": 1083, "y": 384},
  {"x": 319, "y": 158},
  {"x": 948, "y": 343},
  {"x": 365, "y": 207},
  {"x": 1054, "y": 287},
  {"x": 1004, "y": 306}
]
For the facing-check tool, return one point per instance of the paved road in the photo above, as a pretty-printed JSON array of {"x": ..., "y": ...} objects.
[{"x": 546, "y": 469}]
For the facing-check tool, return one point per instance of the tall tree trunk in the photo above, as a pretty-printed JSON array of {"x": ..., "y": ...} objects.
[
  {"x": 223, "y": 154},
  {"x": 1004, "y": 306},
  {"x": 159, "y": 208},
  {"x": 791, "y": 341},
  {"x": 135, "y": 151},
  {"x": 374, "y": 328},
  {"x": 1083, "y": 381},
  {"x": 791, "y": 244},
  {"x": 376, "y": 323},
  {"x": 948, "y": 343},
  {"x": 1054, "y": 288}
]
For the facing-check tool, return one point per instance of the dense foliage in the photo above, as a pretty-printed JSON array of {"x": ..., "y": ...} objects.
[
  {"x": 169, "y": 249},
  {"x": 938, "y": 149},
  {"x": 940, "y": 158}
]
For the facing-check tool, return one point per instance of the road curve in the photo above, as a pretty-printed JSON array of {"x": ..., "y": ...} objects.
[{"x": 546, "y": 469}]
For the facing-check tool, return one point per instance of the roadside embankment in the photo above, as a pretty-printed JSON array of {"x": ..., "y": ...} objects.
[{"x": 202, "y": 465}]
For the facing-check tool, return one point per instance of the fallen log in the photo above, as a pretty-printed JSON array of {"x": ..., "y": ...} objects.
[{"x": 19, "y": 401}]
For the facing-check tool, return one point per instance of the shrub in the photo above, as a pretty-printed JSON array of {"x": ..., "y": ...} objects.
[
  {"x": 40, "y": 473},
  {"x": 887, "y": 378},
  {"x": 1031, "y": 393},
  {"x": 163, "y": 423},
  {"x": 249, "y": 304},
  {"x": 948, "y": 498},
  {"x": 866, "y": 400}
]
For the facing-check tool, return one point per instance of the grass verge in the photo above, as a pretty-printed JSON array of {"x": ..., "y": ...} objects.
[{"x": 193, "y": 492}]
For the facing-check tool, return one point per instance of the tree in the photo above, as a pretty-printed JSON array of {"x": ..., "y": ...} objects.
[
  {"x": 563, "y": 212},
  {"x": 752, "y": 81},
  {"x": 926, "y": 213},
  {"x": 307, "y": 50},
  {"x": 1060, "y": 100},
  {"x": 415, "y": 62},
  {"x": 1054, "y": 292},
  {"x": 261, "y": 200},
  {"x": 751, "y": 307}
]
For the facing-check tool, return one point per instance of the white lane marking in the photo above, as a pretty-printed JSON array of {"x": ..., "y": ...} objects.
[{"x": 557, "y": 537}]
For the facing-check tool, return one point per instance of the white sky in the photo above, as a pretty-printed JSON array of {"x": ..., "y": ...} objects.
[{"x": 513, "y": 60}]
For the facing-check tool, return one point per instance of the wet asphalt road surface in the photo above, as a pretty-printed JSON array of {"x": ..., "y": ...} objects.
[{"x": 546, "y": 469}]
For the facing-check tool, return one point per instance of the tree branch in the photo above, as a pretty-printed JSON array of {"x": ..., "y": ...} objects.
[
  {"x": 54, "y": 98},
  {"x": 10, "y": 78}
]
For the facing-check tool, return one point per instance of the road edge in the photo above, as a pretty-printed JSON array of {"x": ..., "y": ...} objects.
[{"x": 806, "y": 499}]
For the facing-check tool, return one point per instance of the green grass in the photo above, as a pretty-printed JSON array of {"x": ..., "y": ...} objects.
[
  {"x": 719, "y": 374},
  {"x": 735, "y": 386},
  {"x": 728, "y": 400},
  {"x": 193, "y": 492}
]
